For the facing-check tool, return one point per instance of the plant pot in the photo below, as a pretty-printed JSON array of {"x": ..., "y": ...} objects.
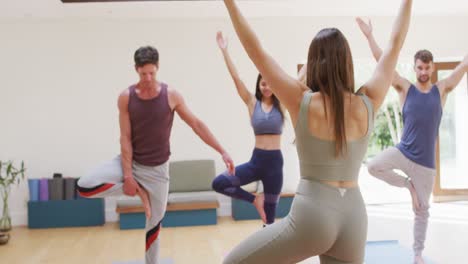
[{"x": 4, "y": 238}]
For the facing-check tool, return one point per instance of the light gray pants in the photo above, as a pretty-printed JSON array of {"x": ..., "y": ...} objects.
[
  {"x": 383, "y": 166},
  {"x": 107, "y": 180},
  {"x": 322, "y": 222}
]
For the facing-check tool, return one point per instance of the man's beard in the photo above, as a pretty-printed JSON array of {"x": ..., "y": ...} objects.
[{"x": 424, "y": 79}]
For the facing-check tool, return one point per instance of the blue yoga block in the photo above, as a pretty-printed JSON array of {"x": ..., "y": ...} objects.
[
  {"x": 171, "y": 219},
  {"x": 242, "y": 210},
  {"x": 66, "y": 213}
]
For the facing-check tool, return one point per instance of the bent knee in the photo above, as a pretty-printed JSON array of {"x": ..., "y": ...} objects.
[{"x": 221, "y": 183}]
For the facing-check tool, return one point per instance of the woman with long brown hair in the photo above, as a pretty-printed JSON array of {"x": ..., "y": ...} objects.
[
  {"x": 332, "y": 124},
  {"x": 266, "y": 163}
]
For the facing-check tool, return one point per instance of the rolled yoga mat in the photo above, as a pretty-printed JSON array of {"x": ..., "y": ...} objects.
[
  {"x": 70, "y": 188},
  {"x": 43, "y": 190},
  {"x": 56, "y": 189},
  {"x": 33, "y": 185}
]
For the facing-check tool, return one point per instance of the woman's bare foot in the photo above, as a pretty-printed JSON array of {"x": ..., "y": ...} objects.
[
  {"x": 414, "y": 196},
  {"x": 419, "y": 260},
  {"x": 258, "y": 203},
  {"x": 145, "y": 200}
]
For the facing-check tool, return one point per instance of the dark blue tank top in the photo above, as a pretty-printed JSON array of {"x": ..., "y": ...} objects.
[
  {"x": 270, "y": 123},
  {"x": 422, "y": 113}
]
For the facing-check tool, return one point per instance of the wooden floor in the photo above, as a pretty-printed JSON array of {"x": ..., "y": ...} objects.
[
  {"x": 446, "y": 239},
  {"x": 103, "y": 245}
]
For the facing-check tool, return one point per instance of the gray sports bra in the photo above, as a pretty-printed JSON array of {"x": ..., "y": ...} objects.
[
  {"x": 263, "y": 123},
  {"x": 317, "y": 157}
]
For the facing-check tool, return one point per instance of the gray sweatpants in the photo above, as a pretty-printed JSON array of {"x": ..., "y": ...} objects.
[
  {"x": 107, "y": 180},
  {"x": 383, "y": 166}
]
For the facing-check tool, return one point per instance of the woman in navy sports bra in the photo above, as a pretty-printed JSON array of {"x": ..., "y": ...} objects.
[{"x": 266, "y": 163}]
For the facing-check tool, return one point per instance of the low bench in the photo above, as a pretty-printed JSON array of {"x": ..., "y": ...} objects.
[
  {"x": 191, "y": 201},
  {"x": 177, "y": 214}
]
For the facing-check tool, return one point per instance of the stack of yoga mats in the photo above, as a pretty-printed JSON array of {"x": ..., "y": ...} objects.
[
  {"x": 55, "y": 188},
  {"x": 54, "y": 202}
]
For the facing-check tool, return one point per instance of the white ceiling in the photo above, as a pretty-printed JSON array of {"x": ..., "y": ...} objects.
[{"x": 251, "y": 8}]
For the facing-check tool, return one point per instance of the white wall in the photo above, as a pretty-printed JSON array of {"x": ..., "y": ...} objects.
[
  {"x": 211, "y": 9},
  {"x": 60, "y": 80}
]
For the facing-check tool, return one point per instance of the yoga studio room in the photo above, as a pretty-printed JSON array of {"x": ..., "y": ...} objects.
[{"x": 233, "y": 131}]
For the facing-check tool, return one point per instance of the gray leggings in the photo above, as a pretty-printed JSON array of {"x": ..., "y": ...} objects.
[
  {"x": 383, "y": 166},
  {"x": 107, "y": 180},
  {"x": 321, "y": 222}
]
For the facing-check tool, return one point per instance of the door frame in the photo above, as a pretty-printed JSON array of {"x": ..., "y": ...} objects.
[{"x": 440, "y": 194}]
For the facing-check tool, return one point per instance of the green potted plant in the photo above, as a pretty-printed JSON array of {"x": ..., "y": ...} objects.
[
  {"x": 387, "y": 128},
  {"x": 9, "y": 175}
]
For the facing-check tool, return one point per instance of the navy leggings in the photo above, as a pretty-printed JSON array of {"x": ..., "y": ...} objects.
[{"x": 265, "y": 166}]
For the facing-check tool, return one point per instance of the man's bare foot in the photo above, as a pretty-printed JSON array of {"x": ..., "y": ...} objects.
[
  {"x": 145, "y": 200},
  {"x": 258, "y": 203},
  {"x": 419, "y": 260},
  {"x": 414, "y": 196}
]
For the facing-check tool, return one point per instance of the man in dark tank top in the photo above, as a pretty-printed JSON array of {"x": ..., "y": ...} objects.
[
  {"x": 146, "y": 113},
  {"x": 422, "y": 105}
]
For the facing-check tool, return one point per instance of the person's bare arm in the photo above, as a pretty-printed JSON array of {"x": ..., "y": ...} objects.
[
  {"x": 244, "y": 94},
  {"x": 126, "y": 150},
  {"x": 200, "y": 128},
  {"x": 448, "y": 84},
  {"x": 377, "y": 87},
  {"x": 288, "y": 89},
  {"x": 399, "y": 83}
]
